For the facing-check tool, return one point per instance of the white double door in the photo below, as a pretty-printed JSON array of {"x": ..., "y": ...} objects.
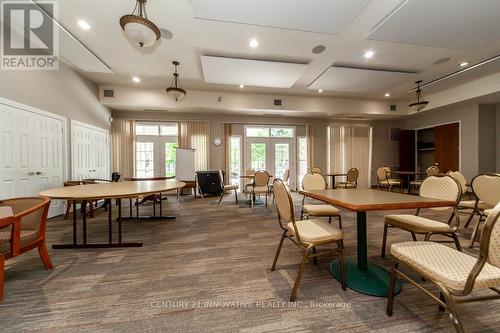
[
  {"x": 89, "y": 153},
  {"x": 275, "y": 155},
  {"x": 31, "y": 153}
]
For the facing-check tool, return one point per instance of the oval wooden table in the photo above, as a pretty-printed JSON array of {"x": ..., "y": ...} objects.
[{"x": 118, "y": 191}]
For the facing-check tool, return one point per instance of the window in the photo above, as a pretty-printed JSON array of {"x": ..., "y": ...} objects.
[
  {"x": 145, "y": 129},
  {"x": 144, "y": 159},
  {"x": 257, "y": 132},
  {"x": 302, "y": 142},
  {"x": 169, "y": 130},
  {"x": 258, "y": 156},
  {"x": 282, "y": 158},
  {"x": 282, "y": 132},
  {"x": 235, "y": 160},
  {"x": 170, "y": 158}
]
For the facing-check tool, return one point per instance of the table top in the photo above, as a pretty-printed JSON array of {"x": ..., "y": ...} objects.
[
  {"x": 335, "y": 174},
  {"x": 408, "y": 172},
  {"x": 126, "y": 189},
  {"x": 151, "y": 178},
  {"x": 368, "y": 200},
  {"x": 5, "y": 211},
  {"x": 251, "y": 176}
]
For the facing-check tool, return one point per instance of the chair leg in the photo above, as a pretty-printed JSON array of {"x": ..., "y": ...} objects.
[
  {"x": 68, "y": 208},
  {"x": 340, "y": 245},
  {"x": 340, "y": 222},
  {"x": 413, "y": 236},
  {"x": 44, "y": 255},
  {"x": 441, "y": 297},
  {"x": 278, "y": 251},
  {"x": 330, "y": 219},
  {"x": 474, "y": 233},
  {"x": 471, "y": 216},
  {"x": 2, "y": 267},
  {"x": 384, "y": 240},
  {"x": 221, "y": 195},
  {"x": 457, "y": 242},
  {"x": 315, "y": 260},
  {"x": 236, "y": 195},
  {"x": 266, "y": 199},
  {"x": 453, "y": 313},
  {"x": 390, "y": 296},
  {"x": 299, "y": 275}
]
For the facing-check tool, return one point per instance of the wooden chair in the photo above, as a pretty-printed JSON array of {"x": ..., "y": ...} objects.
[
  {"x": 311, "y": 182},
  {"x": 227, "y": 188},
  {"x": 351, "y": 181},
  {"x": 385, "y": 182},
  {"x": 454, "y": 273},
  {"x": 307, "y": 234},
  {"x": 259, "y": 186},
  {"x": 23, "y": 231},
  {"x": 441, "y": 187}
]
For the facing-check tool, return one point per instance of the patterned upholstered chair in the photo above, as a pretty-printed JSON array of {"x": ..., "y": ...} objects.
[
  {"x": 227, "y": 188},
  {"x": 259, "y": 186},
  {"x": 311, "y": 182},
  {"x": 486, "y": 188},
  {"x": 385, "y": 182},
  {"x": 351, "y": 181},
  {"x": 441, "y": 187},
  {"x": 248, "y": 181},
  {"x": 454, "y": 273},
  {"x": 23, "y": 231},
  {"x": 316, "y": 170},
  {"x": 306, "y": 234},
  {"x": 415, "y": 184}
]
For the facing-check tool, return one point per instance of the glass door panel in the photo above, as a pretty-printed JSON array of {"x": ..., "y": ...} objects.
[
  {"x": 144, "y": 160},
  {"x": 258, "y": 156},
  {"x": 281, "y": 159},
  {"x": 169, "y": 166}
]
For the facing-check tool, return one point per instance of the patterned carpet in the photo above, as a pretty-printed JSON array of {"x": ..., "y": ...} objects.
[{"x": 209, "y": 271}]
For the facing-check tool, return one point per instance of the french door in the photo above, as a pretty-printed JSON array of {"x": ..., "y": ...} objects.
[
  {"x": 155, "y": 156},
  {"x": 275, "y": 155}
]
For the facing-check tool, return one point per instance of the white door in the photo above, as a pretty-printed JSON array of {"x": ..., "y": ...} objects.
[
  {"x": 89, "y": 153},
  {"x": 31, "y": 154}
]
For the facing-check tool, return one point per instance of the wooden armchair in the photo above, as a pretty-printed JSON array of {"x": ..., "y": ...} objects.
[{"x": 23, "y": 231}]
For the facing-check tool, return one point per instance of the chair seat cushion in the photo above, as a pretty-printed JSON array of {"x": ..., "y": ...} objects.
[
  {"x": 444, "y": 264},
  {"x": 231, "y": 187},
  {"x": 417, "y": 224},
  {"x": 258, "y": 189},
  {"x": 315, "y": 231},
  {"x": 472, "y": 203},
  {"x": 320, "y": 210},
  {"x": 27, "y": 236}
]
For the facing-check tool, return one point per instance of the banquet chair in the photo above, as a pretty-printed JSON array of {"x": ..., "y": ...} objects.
[
  {"x": 351, "y": 181},
  {"x": 316, "y": 170},
  {"x": 259, "y": 186},
  {"x": 23, "y": 231},
  {"x": 225, "y": 188},
  {"x": 384, "y": 180},
  {"x": 430, "y": 171},
  {"x": 311, "y": 182},
  {"x": 441, "y": 187},
  {"x": 248, "y": 181},
  {"x": 486, "y": 188},
  {"x": 286, "y": 176},
  {"x": 306, "y": 234},
  {"x": 454, "y": 273}
]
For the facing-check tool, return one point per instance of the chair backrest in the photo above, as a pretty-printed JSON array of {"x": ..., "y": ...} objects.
[
  {"x": 487, "y": 188},
  {"x": 286, "y": 175},
  {"x": 33, "y": 211},
  {"x": 261, "y": 178},
  {"x": 249, "y": 172},
  {"x": 316, "y": 170},
  {"x": 382, "y": 174},
  {"x": 115, "y": 176},
  {"x": 352, "y": 175},
  {"x": 432, "y": 170},
  {"x": 284, "y": 203},
  {"x": 460, "y": 178},
  {"x": 73, "y": 183},
  {"x": 441, "y": 187},
  {"x": 313, "y": 181}
]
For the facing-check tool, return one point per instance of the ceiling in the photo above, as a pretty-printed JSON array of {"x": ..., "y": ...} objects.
[{"x": 405, "y": 36}]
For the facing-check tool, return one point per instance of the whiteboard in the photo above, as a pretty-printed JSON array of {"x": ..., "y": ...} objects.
[{"x": 184, "y": 164}]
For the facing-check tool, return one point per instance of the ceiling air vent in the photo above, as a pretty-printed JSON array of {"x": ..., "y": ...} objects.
[
  {"x": 277, "y": 102},
  {"x": 392, "y": 107},
  {"x": 109, "y": 93}
]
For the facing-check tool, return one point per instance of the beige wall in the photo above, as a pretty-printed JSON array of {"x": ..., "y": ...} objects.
[
  {"x": 64, "y": 92},
  {"x": 487, "y": 148},
  {"x": 497, "y": 133},
  {"x": 384, "y": 151}
]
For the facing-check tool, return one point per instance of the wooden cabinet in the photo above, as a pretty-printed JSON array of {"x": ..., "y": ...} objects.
[{"x": 438, "y": 146}]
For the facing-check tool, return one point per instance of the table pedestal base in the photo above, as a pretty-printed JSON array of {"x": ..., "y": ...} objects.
[{"x": 374, "y": 281}]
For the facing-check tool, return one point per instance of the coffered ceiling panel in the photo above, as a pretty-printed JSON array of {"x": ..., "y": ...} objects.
[
  {"x": 453, "y": 24},
  {"x": 249, "y": 72},
  {"x": 346, "y": 79},
  {"x": 330, "y": 16}
]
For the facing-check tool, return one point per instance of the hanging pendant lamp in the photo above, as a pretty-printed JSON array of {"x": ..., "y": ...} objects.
[
  {"x": 138, "y": 28},
  {"x": 175, "y": 91},
  {"x": 419, "y": 104}
]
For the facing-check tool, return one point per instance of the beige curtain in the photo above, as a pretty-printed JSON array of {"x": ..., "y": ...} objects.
[
  {"x": 196, "y": 136},
  {"x": 227, "y": 152},
  {"x": 350, "y": 147},
  {"x": 122, "y": 147},
  {"x": 310, "y": 144}
]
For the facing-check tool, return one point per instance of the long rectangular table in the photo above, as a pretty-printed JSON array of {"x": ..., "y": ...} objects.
[{"x": 362, "y": 275}]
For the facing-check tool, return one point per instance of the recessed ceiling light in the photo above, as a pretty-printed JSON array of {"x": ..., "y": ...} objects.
[
  {"x": 320, "y": 91},
  {"x": 253, "y": 43},
  {"x": 463, "y": 64},
  {"x": 318, "y": 49},
  {"x": 136, "y": 79},
  {"x": 387, "y": 95},
  {"x": 242, "y": 86},
  {"x": 83, "y": 24},
  {"x": 368, "y": 54}
]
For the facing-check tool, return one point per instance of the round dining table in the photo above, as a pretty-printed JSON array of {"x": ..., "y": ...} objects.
[{"x": 117, "y": 190}]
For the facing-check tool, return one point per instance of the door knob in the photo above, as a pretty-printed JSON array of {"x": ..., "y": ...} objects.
[
  {"x": 31, "y": 173},
  {"x": 39, "y": 173}
]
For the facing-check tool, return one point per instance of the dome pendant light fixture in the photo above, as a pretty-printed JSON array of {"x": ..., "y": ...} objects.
[
  {"x": 138, "y": 28},
  {"x": 175, "y": 91},
  {"x": 419, "y": 104}
]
